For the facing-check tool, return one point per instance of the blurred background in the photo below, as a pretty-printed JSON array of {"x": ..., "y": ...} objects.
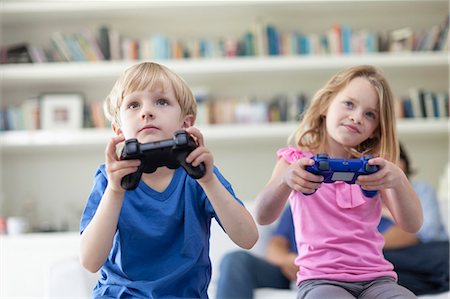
[{"x": 253, "y": 67}]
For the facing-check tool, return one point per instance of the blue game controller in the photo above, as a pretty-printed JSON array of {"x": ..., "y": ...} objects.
[{"x": 346, "y": 170}]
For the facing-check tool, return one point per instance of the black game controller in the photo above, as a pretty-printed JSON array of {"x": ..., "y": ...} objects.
[{"x": 171, "y": 153}]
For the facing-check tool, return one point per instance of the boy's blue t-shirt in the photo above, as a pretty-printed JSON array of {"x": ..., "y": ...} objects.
[{"x": 161, "y": 247}]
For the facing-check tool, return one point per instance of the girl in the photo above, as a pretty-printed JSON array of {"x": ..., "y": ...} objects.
[{"x": 340, "y": 249}]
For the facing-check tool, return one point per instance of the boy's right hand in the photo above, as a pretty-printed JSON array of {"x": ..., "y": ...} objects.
[
  {"x": 300, "y": 180},
  {"x": 116, "y": 169}
]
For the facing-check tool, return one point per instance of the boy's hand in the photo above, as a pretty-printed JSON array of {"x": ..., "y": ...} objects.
[
  {"x": 116, "y": 169},
  {"x": 201, "y": 154},
  {"x": 298, "y": 179},
  {"x": 389, "y": 175}
]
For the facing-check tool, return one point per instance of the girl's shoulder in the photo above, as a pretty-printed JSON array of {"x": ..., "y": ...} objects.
[{"x": 292, "y": 153}]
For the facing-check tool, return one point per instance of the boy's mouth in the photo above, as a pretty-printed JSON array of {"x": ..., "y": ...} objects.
[{"x": 148, "y": 127}]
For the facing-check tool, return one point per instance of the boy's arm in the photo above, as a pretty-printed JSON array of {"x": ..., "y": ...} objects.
[
  {"x": 96, "y": 240},
  {"x": 237, "y": 222},
  {"x": 235, "y": 219}
]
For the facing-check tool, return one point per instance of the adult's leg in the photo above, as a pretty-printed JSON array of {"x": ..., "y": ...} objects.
[{"x": 241, "y": 273}]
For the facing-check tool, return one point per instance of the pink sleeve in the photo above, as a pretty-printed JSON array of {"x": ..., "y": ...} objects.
[{"x": 291, "y": 154}]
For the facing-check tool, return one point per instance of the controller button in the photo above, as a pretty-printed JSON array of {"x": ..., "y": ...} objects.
[{"x": 323, "y": 165}]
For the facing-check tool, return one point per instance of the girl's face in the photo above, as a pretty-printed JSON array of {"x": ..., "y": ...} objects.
[
  {"x": 151, "y": 115},
  {"x": 353, "y": 116}
]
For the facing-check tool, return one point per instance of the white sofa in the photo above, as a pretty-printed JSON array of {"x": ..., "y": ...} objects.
[
  {"x": 48, "y": 266},
  {"x": 81, "y": 282}
]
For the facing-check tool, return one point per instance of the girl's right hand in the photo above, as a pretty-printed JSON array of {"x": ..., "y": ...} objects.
[
  {"x": 116, "y": 169},
  {"x": 300, "y": 180}
]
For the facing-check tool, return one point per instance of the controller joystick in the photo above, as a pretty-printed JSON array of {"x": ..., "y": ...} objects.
[
  {"x": 170, "y": 153},
  {"x": 346, "y": 170}
]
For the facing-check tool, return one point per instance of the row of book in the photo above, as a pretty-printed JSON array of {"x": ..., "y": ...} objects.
[
  {"x": 422, "y": 103},
  {"x": 31, "y": 114},
  {"x": 263, "y": 39}
]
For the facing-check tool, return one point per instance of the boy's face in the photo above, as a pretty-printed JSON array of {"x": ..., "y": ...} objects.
[
  {"x": 151, "y": 115},
  {"x": 353, "y": 114}
]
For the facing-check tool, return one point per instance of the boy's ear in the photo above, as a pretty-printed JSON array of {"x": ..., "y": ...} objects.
[
  {"x": 116, "y": 128},
  {"x": 189, "y": 121}
]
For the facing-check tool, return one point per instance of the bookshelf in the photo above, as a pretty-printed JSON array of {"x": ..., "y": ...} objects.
[{"x": 69, "y": 158}]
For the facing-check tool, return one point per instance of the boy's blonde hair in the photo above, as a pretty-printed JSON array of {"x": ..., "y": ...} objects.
[
  {"x": 311, "y": 133},
  {"x": 148, "y": 76}
]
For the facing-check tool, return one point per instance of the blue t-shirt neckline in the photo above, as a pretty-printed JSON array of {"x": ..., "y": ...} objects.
[{"x": 162, "y": 196}]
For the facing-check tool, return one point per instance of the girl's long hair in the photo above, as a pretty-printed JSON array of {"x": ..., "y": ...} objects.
[{"x": 311, "y": 134}]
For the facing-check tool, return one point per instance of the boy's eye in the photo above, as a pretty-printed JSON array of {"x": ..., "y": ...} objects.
[
  {"x": 133, "y": 105},
  {"x": 162, "y": 102}
]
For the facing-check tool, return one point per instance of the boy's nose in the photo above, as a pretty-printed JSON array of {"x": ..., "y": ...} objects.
[{"x": 146, "y": 112}]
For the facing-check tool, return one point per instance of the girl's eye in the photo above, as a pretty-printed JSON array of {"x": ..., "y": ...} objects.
[
  {"x": 348, "y": 104},
  {"x": 162, "y": 102},
  {"x": 371, "y": 115}
]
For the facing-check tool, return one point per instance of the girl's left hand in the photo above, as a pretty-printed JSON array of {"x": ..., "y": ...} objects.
[
  {"x": 201, "y": 154},
  {"x": 389, "y": 175}
]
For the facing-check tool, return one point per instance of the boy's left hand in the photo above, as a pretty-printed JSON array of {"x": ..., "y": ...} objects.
[
  {"x": 389, "y": 175},
  {"x": 201, "y": 154}
]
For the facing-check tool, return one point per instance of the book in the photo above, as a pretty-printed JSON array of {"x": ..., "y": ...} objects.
[
  {"x": 59, "y": 44},
  {"x": 17, "y": 53},
  {"x": 415, "y": 96},
  {"x": 31, "y": 113},
  {"x": 429, "y": 105},
  {"x": 442, "y": 104},
  {"x": 104, "y": 43}
]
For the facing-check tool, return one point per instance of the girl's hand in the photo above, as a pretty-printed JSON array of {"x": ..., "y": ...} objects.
[
  {"x": 389, "y": 175},
  {"x": 201, "y": 154},
  {"x": 116, "y": 169},
  {"x": 298, "y": 179}
]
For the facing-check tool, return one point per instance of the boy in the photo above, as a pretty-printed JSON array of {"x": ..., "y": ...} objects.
[{"x": 153, "y": 242}]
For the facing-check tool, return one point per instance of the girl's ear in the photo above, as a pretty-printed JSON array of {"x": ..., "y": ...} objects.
[
  {"x": 116, "y": 128},
  {"x": 189, "y": 121}
]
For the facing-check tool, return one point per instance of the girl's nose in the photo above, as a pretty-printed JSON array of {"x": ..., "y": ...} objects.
[{"x": 356, "y": 117}]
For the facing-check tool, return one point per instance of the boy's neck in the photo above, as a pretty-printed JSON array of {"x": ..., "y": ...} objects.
[{"x": 160, "y": 179}]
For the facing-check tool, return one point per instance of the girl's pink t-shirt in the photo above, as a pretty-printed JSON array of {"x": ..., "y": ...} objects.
[{"x": 336, "y": 231}]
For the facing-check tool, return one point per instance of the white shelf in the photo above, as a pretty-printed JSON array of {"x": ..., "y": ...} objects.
[
  {"x": 238, "y": 148},
  {"x": 12, "y": 141},
  {"x": 107, "y": 69}
]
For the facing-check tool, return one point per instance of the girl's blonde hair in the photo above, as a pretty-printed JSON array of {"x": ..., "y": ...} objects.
[
  {"x": 148, "y": 76},
  {"x": 311, "y": 133}
]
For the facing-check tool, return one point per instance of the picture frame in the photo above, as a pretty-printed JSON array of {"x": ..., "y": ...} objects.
[{"x": 62, "y": 111}]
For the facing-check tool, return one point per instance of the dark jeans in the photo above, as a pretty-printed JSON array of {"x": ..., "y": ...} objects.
[
  {"x": 241, "y": 273},
  {"x": 423, "y": 268}
]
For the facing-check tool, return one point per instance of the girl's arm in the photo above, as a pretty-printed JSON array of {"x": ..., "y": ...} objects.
[
  {"x": 286, "y": 177},
  {"x": 97, "y": 239},
  {"x": 397, "y": 193}
]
